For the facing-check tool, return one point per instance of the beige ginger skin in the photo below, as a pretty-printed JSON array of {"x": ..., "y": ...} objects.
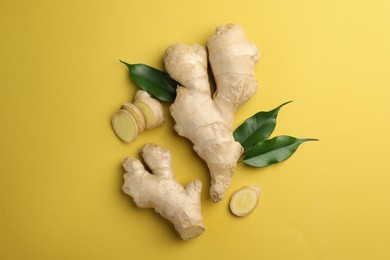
[
  {"x": 206, "y": 119},
  {"x": 160, "y": 190}
]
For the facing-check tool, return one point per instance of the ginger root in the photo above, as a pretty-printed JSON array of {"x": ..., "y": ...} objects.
[
  {"x": 208, "y": 121},
  {"x": 162, "y": 192},
  {"x": 133, "y": 118}
]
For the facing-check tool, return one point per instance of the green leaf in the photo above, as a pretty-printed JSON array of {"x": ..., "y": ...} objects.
[
  {"x": 257, "y": 128},
  {"x": 272, "y": 151},
  {"x": 153, "y": 81}
]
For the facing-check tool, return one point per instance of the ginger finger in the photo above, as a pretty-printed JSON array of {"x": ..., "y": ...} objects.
[{"x": 161, "y": 191}]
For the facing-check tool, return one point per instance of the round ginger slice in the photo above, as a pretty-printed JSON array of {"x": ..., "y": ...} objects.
[
  {"x": 137, "y": 114},
  {"x": 244, "y": 200},
  {"x": 125, "y": 126},
  {"x": 148, "y": 113},
  {"x": 151, "y": 109}
]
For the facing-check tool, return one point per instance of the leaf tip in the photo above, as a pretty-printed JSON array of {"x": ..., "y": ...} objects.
[
  {"x": 125, "y": 63},
  {"x": 285, "y": 103}
]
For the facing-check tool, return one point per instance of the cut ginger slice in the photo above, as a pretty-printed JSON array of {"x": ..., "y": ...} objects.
[
  {"x": 244, "y": 200},
  {"x": 149, "y": 112},
  {"x": 150, "y": 118},
  {"x": 150, "y": 108},
  {"x": 137, "y": 114},
  {"x": 125, "y": 126}
]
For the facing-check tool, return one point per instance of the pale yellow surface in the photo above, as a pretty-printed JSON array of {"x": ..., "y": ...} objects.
[{"x": 61, "y": 175}]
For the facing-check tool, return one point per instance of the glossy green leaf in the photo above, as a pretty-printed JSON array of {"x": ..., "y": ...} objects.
[
  {"x": 273, "y": 151},
  {"x": 154, "y": 81},
  {"x": 257, "y": 128}
]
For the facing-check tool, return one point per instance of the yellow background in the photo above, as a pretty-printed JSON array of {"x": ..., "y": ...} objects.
[{"x": 61, "y": 176}]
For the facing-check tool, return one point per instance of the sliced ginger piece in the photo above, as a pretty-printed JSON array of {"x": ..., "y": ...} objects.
[
  {"x": 133, "y": 118},
  {"x": 137, "y": 114},
  {"x": 150, "y": 119},
  {"x": 125, "y": 126},
  {"x": 151, "y": 109},
  {"x": 244, "y": 200}
]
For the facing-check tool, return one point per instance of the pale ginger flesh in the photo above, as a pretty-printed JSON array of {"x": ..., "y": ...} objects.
[
  {"x": 150, "y": 108},
  {"x": 161, "y": 191},
  {"x": 133, "y": 118},
  {"x": 208, "y": 121},
  {"x": 125, "y": 126},
  {"x": 137, "y": 115},
  {"x": 245, "y": 200}
]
